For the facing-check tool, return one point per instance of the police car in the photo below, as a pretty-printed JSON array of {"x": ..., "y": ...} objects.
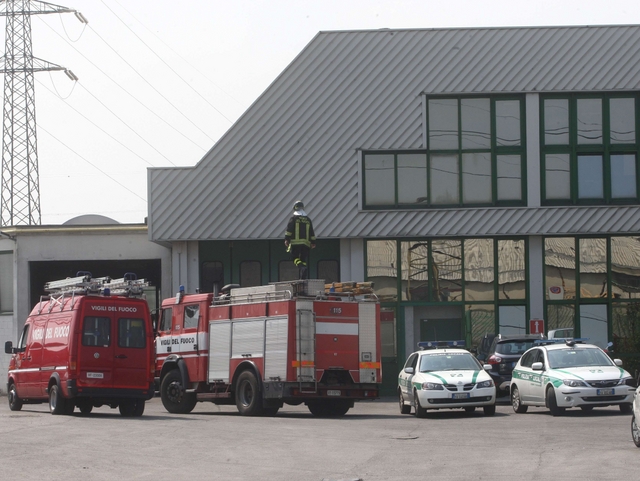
[
  {"x": 635, "y": 419},
  {"x": 568, "y": 373},
  {"x": 442, "y": 375}
]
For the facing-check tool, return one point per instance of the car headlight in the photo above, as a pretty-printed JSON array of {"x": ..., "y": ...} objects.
[
  {"x": 629, "y": 381},
  {"x": 432, "y": 386},
  {"x": 574, "y": 383},
  {"x": 485, "y": 384}
]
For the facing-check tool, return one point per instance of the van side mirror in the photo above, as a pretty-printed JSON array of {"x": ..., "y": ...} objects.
[{"x": 8, "y": 348}]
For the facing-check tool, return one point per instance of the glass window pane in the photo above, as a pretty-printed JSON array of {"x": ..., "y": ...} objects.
[
  {"x": 444, "y": 179},
  {"x": 447, "y": 267},
  {"x": 379, "y": 179},
  {"x": 511, "y": 269},
  {"x": 560, "y": 268},
  {"x": 622, "y": 113},
  {"x": 589, "y": 121},
  {"x": 557, "y": 176},
  {"x": 166, "y": 319},
  {"x": 6, "y": 282},
  {"x": 479, "y": 270},
  {"x": 382, "y": 268},
  {"x": 593, "y": 324},
  {"x": 556, "y": 121},
  {"x": 96, "y": 331},
  {"x": 509, "y": 174},
  {"x": 131, "y": 333},
  {"x": 412, "y": 178},
  {"x": 625, "y": 317},
  {"x": 388, "y": 332},
  {"x": 561, "y": 316},
  {"x": 513, "y": 320},
  {"x": 623, "y": 176},
  {"x": 250, "y": 274},
  {"x": 590, "y": 181},
  {"x": 593, "y": 267},
  {"x": 625, "y": 267},
  {"x": 476, "y": 123},
  {"x": 482, "y": 319},
  {"x": 443, "y": 124},
  {"x": 476, "y": 178},
  {"x": 415, "y": 271},
  {"x": 507, "y": 122},
  {"x": 191, "y": 316}
]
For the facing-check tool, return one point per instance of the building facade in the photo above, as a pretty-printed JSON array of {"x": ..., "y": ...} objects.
[{"x": 486, "y": 180}]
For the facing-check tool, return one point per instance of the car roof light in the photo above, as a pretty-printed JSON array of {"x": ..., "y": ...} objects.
[{"x": 440, "y": 344}]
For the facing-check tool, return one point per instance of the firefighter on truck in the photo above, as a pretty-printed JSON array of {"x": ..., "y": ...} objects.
[{"x": 262, "y": 347}]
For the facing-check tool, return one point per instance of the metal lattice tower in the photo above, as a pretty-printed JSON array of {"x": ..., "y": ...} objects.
[{"x": 20, "y": 186}]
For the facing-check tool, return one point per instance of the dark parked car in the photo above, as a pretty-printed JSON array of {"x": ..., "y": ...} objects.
[{"x": 504, "y": 353}]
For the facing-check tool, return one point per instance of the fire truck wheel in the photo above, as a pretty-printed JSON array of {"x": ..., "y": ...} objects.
[
  {"x": 404, "y": 408},
  {"x": 174, "y": 399},
  {"x": 270, "y": 411},
  {"x": 85, "y": 407},
  {"x": 248, "y": 398},
  {"x": 131, "y": 407},
  {"x": 56, "y": 400},
  {"x": 332, "y": 407},
  {"x": 15, "y": 403},
  {"x": 318, "y": 409}
]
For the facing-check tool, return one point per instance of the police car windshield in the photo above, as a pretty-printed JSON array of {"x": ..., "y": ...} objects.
[
  {"x": 566, "y": 358},
  {"x": 449, "y": 362}
]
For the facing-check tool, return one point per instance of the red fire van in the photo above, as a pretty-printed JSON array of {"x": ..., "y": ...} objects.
[{"x": 88, "y": 343}]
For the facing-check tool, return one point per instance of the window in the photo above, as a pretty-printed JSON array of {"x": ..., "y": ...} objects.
[
  {"x": 6, "y": 282},
  {"x": 589, "y": 149},
  {"x": 131, "y": 333},
  {"x": 475, "y": 156},
  {"x": 211, "y": 276},
  {"x": 96, "y": 331},
  {"x": 191, "y": 316},
  {"x": 165, "y": 322},
  {"x": 250, "y": 274}
]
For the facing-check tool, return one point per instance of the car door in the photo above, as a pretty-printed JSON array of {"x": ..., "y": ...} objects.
[
  {"x": 536, "y": 385},
  {"x": 132, "y": 351},
  {"x": 405, "y": 378},
  {"x": 522, "y": 375}
]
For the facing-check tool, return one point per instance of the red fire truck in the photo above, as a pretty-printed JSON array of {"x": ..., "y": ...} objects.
[{"x": 261, "y": 347}]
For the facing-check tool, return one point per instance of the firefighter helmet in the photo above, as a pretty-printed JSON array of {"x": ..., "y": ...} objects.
[{"x": 298, "y": 208}]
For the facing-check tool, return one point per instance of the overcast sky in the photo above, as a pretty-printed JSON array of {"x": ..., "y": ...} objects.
[{"x": 161, "y": 80}]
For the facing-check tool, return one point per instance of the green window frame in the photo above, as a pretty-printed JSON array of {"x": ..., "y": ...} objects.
[
  {"x": 589, "y": 149},
  {"x": 476, "y": 157}
]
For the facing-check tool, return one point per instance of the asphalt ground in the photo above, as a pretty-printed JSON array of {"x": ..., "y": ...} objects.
[{"x": 372, "y": 442}]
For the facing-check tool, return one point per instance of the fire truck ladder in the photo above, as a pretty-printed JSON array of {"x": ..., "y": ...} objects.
[
  {"x": 306, "y": 355},
  {"x": 83, "y": 283}
]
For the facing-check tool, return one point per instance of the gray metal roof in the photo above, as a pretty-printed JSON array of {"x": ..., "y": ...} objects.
[{"x": 355, "y": 90}]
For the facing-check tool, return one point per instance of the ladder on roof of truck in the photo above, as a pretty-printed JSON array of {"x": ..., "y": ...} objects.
[{"x": 84, "y": 283}]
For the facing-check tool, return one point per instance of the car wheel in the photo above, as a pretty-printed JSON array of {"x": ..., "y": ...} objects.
[
  {"x": 85, "y": 407},
  {"x": 516, "y": 401},
  {"x": 15, "y": 403},
  {"x": 635, "y": 431},
  {"x": 470, "y": 409},
  {"x": 420, "y": 411},
  {"x": 552, "y": 403},
  {"x": 131, "y": 408},
  {"x": 489, "y": 410},
  {"x": 586, "y": 408},
  {"x": 626, "y": 408},
  {"x": 404, "y": 408}
]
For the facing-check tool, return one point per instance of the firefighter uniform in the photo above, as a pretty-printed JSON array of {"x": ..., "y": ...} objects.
[{"x": 300, "y": 238}]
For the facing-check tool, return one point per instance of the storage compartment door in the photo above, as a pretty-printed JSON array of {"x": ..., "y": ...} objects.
[
  {"x": 219, "y": 351},
  {"x": 275, "y": 354}
]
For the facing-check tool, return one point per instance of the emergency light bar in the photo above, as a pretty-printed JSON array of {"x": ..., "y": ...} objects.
[
  {"x": 440, "y": 344},
  {"x": 564, "y": 340}
]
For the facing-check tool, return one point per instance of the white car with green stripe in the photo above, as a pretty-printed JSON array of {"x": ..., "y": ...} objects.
[
  {"x": 445, "y": 379},
  {"x": 567, "y": 374}
]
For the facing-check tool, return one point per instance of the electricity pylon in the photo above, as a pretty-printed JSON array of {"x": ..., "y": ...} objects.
[{"x": 20, "y": 186}]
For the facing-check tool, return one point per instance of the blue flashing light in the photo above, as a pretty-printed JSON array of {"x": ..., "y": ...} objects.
[
  {"x": 441, "y": 344},
  {"x": 569, "y": 341},
  {"x": 181, "y": 289},
  {"x": 106, "y": 291}
]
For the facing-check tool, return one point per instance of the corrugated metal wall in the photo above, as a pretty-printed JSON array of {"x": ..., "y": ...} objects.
[{"x": 362, "y": 90}]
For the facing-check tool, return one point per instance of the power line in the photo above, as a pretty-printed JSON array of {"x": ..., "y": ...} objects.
[
  {"x": 126, "y": 91},
  {"x": 169, "y": 66}
]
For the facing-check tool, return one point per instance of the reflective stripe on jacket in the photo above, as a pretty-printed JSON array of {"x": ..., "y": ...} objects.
[{"x": 300, "y": 231}]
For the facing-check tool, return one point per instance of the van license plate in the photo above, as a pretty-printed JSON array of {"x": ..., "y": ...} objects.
[
  {"x": 606, "y": 392},
  {"x": 333, "y": 392},
  {"x": 95, "y": 375}
]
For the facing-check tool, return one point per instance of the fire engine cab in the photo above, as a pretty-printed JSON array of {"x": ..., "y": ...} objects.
[
  {"x": 265, "y": 346},
  {"x": 88, "y": 343}
]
